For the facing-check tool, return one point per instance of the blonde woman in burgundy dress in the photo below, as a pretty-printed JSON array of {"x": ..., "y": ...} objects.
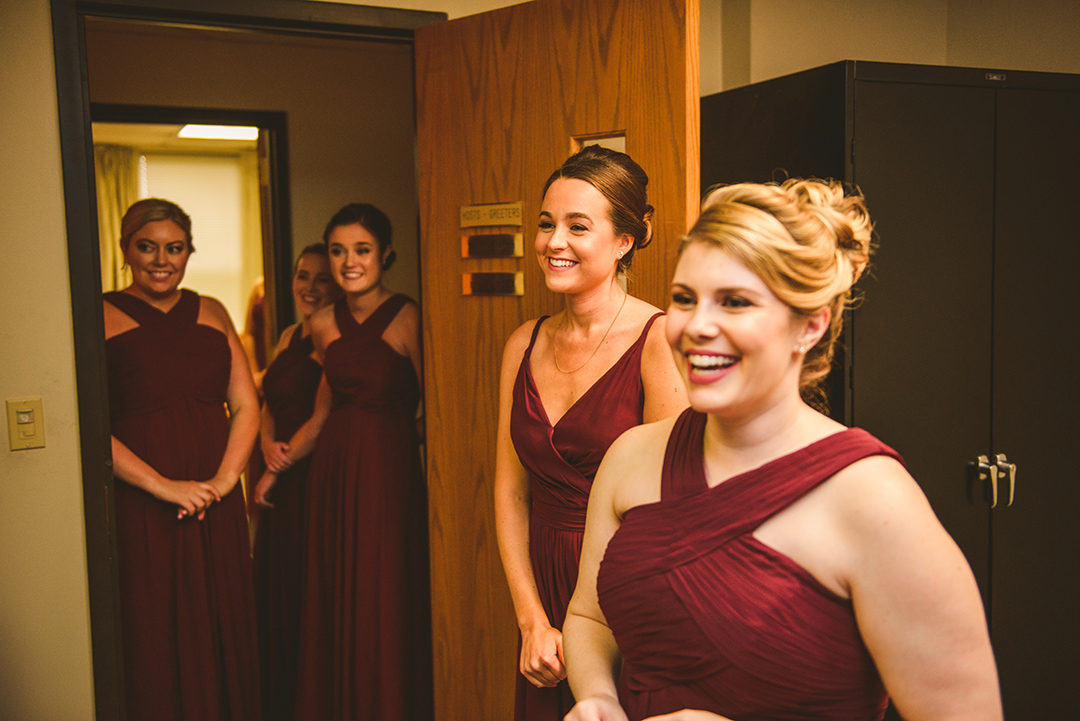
[
  {"x": 753, "y": 559},
  {"x": 184, "y": 418}
]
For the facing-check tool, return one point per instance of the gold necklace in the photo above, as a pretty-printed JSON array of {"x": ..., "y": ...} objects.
[{"x": 555, "y": 355}]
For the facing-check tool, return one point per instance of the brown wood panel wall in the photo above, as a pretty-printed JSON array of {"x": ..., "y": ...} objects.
[{"x": 499, "y": 97}]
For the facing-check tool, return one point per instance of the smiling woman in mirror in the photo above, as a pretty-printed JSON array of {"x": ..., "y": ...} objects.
[
  {"x": 365, "y": 618},
  {"x": 570, "y": 385},
  {"x": 184, "y": 418},
  {"x": 289, "y": 387}
]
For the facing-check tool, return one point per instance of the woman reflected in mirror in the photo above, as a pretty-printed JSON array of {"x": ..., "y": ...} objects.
[
  {"x": 289, "y": 387},
  {"x": 184, "y": 416},
  {"x": 365, "y": 619}
]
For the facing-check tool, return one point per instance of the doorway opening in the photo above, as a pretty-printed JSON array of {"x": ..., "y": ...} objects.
[{"x": 308, "y": 31}]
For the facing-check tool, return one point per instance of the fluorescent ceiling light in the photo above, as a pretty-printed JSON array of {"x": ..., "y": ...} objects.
[{"x": 219, "y": 132}]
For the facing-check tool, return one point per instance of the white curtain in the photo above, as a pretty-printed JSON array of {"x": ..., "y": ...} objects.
[{"x": 117, "y": 177}]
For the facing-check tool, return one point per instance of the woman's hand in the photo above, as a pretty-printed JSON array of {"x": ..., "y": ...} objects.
[
  {"x": 192, "y": 497},
  {"x": 275, "y": 454},
  {"x": 542, "y": 656},
  {"x": 689, "y": 715},
  {"x": 597, "y": 708},
  {"x": 263, "y": 488}
]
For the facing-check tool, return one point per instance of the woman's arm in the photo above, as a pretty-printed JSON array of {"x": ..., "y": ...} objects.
[
  {"x": 242, "y": 401},
  {"x": 273, "y": 450},
  {"x": 323, "y": 332},
  {"x": 629, "y": 476},
  {"x": 665, "y": 392},
  {"x": 266, "y": 484},
  {"x": 541, "y": 645},
  {"x": 414, "y": 348},
  {"x": 916, "y": 602},
  {"x": 592, "y": 656},
  {"x": 302, "y": 442},
  {"x": 406, "y": 328},
  {"x": 192, "y": 497}
]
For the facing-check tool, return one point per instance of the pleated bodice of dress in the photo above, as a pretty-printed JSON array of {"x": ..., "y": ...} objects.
[{"x": 708, "y": 617}]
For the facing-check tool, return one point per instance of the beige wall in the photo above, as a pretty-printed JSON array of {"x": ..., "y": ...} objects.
[
  {"x": 1038, "y": 35},
  {"x": 45, "y": 670},
  {"x": 778, "y": 37}
]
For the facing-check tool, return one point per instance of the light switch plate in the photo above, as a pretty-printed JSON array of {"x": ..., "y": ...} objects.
[{"x": 26, "y": 424}]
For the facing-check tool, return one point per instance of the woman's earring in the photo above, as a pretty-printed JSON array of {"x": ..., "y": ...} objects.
[{"x": 802, "y": 349}]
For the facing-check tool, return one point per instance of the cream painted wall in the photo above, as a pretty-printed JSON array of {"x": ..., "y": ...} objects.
[
  {"x": 1037, "y": 35},
  {"x": 45, "y": 666},
  {"x": 786, "y": 36}
]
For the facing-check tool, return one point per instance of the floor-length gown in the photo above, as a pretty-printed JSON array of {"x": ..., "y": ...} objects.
[
  {"x": 365, "y": 646},
  {"x": 561, "y": 461},
  {"x": 708, "y": 617},
  {"x": 289, "y": 388},
  {"x": 187, "y": 604}
]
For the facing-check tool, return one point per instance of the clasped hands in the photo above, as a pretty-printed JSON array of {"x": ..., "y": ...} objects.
[{"x": 193, "y": 498}]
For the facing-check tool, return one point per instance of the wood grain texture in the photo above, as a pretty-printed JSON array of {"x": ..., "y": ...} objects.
[{"x": 499, "y": 97}]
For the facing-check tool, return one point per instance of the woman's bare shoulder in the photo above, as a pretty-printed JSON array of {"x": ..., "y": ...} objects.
[
  {"x": 116, "y": 320},
  {"x": 880, "y": 510},
  {"x": 519, "y": 340},
  {"x": 633, "y": 464},
  {"x": 323, "y": 319},
  {"x": 214, "y": 314}
]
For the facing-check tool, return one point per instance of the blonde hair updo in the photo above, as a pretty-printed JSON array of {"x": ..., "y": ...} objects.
[{"x": 808, "y": 240}]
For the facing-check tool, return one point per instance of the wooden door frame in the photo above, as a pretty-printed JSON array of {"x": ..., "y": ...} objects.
[{"x": 76, "y": 145}]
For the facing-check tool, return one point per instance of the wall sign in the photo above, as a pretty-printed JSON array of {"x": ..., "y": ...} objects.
[
  {"x": 493, "y": 283},
  {"x": 493, "y": 245},
  {"x": 473, "y": 216}
]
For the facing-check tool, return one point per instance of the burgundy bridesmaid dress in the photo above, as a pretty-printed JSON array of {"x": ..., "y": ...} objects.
[
  {"x": 289, "y": 388},
  {"x": 365, "y": 623},
  {"x": 561, "y": 461},
  {"x": 708, "y": 617},
  {"x": 186, "y": 598}
]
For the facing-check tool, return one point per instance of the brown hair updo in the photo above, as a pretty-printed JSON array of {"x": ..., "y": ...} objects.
[
  {"x": 623, "y": 184},
  {"x": 149, "y": 210},
  {"x": 808, "y": 240}
]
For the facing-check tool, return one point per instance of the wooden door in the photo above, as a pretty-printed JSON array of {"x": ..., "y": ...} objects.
[
  {"x": 501, "y": 97},
  {"x": 1035, "y": 574}
]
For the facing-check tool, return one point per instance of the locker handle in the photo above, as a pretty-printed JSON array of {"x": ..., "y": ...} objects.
[
  {"x": 985, "y": 469},
  {"x": 1004, "y": 467}
]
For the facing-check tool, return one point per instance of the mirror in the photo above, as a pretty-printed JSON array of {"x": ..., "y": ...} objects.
[{"x": 339, "y": 151}]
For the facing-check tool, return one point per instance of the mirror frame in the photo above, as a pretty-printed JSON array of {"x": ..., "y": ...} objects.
[{"x": 76, "y": 147}]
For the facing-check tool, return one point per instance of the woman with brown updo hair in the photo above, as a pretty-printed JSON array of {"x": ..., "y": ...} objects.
[
  {"x": 752, "y": 558},
  {"x": 184, "y": 418},
  {"x": 365, "y": 606},
  {"x": 570, "y": 385}
]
